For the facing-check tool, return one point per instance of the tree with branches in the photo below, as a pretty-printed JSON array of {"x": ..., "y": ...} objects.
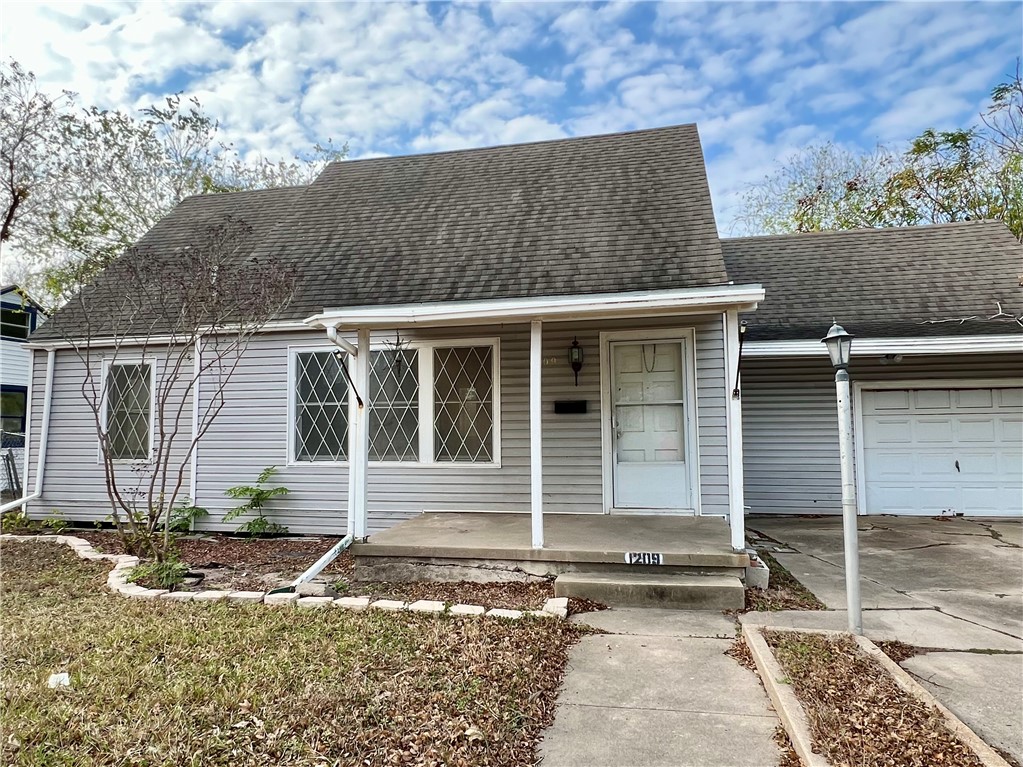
[{"x": 146, "y": 333}]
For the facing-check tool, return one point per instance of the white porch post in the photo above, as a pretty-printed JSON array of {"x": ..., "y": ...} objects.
[
  {"x": 536, "y": 432},
  {"x": 733, "y": 421},
  {"x": 358, "y": 459}
]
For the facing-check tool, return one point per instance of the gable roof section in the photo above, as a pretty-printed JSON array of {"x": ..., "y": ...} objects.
[
  {"x": 938, "y": 280},
  {"x": 604, "y": 214},
  {"x": 187, "y": 224}
]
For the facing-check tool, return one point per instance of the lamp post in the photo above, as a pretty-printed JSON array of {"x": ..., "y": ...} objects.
[{"x": 839, "y": 344}]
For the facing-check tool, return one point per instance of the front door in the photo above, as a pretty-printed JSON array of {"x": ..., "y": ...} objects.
[{"x": 648, "y": 420}]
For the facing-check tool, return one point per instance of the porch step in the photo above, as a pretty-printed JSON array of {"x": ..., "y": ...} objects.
[{"x": 679, "y": 592}]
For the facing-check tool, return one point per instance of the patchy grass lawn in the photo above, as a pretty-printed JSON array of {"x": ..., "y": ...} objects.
[
  {"x": 783, "y": 592},
  {"x": 856, "y": 712},
  {"x": 216, "y": 684}
]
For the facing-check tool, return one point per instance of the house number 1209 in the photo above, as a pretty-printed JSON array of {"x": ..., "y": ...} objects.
[{"x": 643, "y": 558}]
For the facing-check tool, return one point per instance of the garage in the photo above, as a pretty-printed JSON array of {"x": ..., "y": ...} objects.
[{"x": 931, "y": 450}]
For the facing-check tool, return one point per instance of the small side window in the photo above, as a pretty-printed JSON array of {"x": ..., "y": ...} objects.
[{"x": 128, "y": 400}]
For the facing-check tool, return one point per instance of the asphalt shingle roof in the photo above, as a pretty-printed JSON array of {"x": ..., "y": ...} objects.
[
  {"x": 622, "y": 212},
  {"x": 895, "y": 282}
]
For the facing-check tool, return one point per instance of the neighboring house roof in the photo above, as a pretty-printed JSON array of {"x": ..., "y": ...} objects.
[
  {"x": 22, "y": 296},
  {"x": 939, "y": 280},
  {"x": 603, "y": 214}
]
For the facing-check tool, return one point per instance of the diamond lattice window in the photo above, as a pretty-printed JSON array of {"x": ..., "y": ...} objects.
[
  {"x": 128, "y": 411},
  {"x": 321, "y": 407},
  {"x": 394, "y": 411},
  {"x": 463, "y": 415}
]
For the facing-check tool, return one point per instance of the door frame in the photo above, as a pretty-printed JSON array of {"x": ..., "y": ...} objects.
[
  {"x": 687, "y": 336},
  {"x": 859, "y": 432}
]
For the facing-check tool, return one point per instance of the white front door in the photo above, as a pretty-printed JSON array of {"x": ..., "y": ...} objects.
[
  {"x": 943, "y": 451},
  {"x": 648, "y": 420}
]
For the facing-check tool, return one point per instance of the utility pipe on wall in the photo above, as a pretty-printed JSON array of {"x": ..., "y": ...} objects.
[{"x": 44, "y": 433}]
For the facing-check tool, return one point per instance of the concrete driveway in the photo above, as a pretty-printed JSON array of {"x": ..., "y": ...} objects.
[{"x": 952, "y": 585}]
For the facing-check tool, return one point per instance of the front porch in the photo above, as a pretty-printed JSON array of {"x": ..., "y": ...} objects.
[{"x": 484, "y": 546}]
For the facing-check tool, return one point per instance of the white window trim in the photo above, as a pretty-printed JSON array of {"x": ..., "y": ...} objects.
[
  {"x": 690, "y": 404},
  {"x": 107, "y": 364},
  {"x": 858, "y": 387},
  {"x": 425, "y": 348}
]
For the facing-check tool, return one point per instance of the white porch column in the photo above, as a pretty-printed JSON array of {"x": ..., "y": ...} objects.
[
  {"x": 536, "y": 432},
  {"x": 358, "y": 459},
  {"x": 733, "y": 425}
]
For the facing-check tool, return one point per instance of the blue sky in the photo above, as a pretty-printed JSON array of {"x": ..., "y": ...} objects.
[{"x": 761, "y": 80}]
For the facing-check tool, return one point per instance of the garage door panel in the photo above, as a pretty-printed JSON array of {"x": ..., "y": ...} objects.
[
  {"x": 977, "y": 430},
  {"x": 934, "y": 429},
  {"x": 913, "y": 439},
  {"x": 975, "y": 398}
]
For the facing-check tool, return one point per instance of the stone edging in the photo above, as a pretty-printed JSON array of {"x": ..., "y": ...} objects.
[
  {"x": 793, "y": 717},
  {"x": 117, "y": 581}
]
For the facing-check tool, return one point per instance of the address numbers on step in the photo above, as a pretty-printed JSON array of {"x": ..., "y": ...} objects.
[{"x": 643, "y": 558}]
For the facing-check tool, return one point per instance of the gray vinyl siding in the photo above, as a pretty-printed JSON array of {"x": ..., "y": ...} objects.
[
  {"x": 251, "y": 432},
  {"x": 790, "y": 426},
  {"x": 73, "y": 480}
]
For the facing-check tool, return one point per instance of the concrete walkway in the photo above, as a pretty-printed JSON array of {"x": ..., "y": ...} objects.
[
  {"x": 658, "y": 690},
  {"x": 953, "y": 586}
]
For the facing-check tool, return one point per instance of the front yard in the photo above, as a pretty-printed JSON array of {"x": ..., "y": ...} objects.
[{"x": 201, "y": 684}]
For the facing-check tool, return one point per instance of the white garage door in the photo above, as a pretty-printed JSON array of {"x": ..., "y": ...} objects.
[{"x": 933, "y": 451}]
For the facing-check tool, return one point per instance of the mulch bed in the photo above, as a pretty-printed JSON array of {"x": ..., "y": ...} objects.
[
  {"x": 856, "y": 712},
  {"x": 260, "y": 564}
]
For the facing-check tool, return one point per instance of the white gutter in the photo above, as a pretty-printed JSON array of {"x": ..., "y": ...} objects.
[
  {"x": 637, "y": 304},
  {"x": 279, "y": 326},
  {"x": 44, "y": 433},
  {"x": 875, "y": 346}
]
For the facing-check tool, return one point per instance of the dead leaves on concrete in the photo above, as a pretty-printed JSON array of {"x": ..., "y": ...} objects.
[{"x": 856, "y": 713}]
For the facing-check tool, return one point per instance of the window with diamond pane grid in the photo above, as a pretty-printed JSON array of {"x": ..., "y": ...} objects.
[
  {"x": 463, "y": 414},
  {"x": 394, "y": 409},
  {"x": 128, "y": 400},
  {"x": 321, "y": 408}
]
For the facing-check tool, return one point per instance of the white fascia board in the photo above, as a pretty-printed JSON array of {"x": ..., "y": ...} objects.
[
  {"x": 862, "y": 347},
  {"x": 744, "y": 298},
  {"x": 280, "y": 326}
]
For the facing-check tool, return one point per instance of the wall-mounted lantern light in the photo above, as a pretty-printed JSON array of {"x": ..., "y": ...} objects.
[{"x": 575, "y": 358}]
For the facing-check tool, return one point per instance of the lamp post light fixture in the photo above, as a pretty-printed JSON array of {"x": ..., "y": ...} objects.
[{"x": 839, "y": 345}]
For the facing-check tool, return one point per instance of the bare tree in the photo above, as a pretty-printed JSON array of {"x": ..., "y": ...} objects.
[
  {"x": 183, "y": 318},
  {"x": 29, "y": 130}
]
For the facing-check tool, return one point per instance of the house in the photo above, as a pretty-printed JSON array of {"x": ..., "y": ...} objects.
[
  {"x": 19, "y": 316},
  {"x": 937, "y": 369},
  {"x": 547, "y": 336}
]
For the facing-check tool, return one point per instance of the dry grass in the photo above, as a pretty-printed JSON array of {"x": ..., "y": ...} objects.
[
  {"x": 216, "y": 684},
  {"x": 856, "y": 712},
  {"x": 784, "y": 592}
]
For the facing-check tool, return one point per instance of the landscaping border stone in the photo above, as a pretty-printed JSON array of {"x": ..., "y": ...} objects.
[
  {"x": 793, "y": 717},
  {"x": 117, "y": 581}
]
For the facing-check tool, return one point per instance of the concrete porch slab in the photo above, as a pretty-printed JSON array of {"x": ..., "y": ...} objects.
[{"x": 577, "y": 538}]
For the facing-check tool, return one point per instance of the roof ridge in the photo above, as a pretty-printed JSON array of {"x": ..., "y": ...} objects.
[
  {"x": 480, "y": 149},
  {"x": 240, "y": 192},
  {"x": 870, "y": 229}
]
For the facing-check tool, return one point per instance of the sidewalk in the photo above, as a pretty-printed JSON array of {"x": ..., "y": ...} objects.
[{"x": 658, "y": 690}]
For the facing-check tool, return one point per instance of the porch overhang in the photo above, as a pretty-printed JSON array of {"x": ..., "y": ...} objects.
[{"x": 719, "y": 298}]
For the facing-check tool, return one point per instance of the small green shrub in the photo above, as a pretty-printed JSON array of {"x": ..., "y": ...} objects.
[
  {"x": 256, "y": 496},
  {"x": 55, "y": 521},
  {"x": 162, "y": 575},
  {"x": 17, "y": 521},
  {"x": 182, "y": 517}
]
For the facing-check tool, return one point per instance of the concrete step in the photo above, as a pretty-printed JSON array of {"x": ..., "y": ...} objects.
[{"x": 669, "y": 590}]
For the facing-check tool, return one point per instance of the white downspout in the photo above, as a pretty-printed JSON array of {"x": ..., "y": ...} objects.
[{"x": 44, "y": 433}]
